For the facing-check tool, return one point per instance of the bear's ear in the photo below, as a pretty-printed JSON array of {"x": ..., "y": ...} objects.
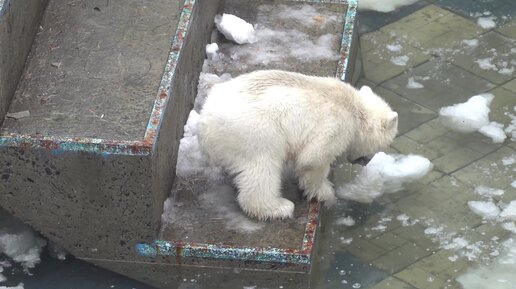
[{"x": 392, "y": 120}]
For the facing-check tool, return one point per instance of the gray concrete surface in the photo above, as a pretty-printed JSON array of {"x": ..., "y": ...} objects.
[
  {"x": 19, "y": 22},
  {"x": 95, "y": 68}
]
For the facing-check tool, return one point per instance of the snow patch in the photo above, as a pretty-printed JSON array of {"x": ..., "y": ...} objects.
[
  {"x": 413, "y": 84},
  {"x": 384, "y": 174},
  {"x": 400, "y": 60}
]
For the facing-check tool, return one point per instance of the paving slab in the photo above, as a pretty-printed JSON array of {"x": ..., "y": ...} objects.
[
  {"x": 444, "y": 84},
  {"x": 491, "y": 59}
]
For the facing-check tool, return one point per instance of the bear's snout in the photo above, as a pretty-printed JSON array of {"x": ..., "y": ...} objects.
[{"x": 363, "y": 161}]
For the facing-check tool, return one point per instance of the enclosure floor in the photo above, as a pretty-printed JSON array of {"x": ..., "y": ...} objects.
[
  {"x": 380, "y": 251},
  {"x": 94, "y": 69}
]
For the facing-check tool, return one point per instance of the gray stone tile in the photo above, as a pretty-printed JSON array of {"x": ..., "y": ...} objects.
[
  {"x": 491, "y": 59},
  {"x": 489, "y": 170},
  {"x": 444, "y": 84}
]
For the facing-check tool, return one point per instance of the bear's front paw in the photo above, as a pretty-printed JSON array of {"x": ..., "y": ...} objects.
[
  {"x": 277, "y": 208},
  {"x": 325, "y": 194}
]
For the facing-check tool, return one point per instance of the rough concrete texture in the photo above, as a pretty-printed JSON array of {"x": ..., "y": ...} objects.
[
  {"x": 19, "y": 21},
  {"x": 91, "y": 205},
  {"x": 95, "y": 68},
  {"x": 97, "y": 204}
]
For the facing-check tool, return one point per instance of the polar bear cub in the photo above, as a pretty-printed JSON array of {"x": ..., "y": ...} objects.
[{"x": 254, "y": 123}]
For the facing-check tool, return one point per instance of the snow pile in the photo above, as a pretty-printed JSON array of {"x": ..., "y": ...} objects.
[
  {"x": 235, "y": 28},
  {"x": 19, "y": 286},
  {"x": 487, "y": 22},
  {"x": 383, "y": 5},
  {"x": 19, "y": 243},
  {"x": 384, "y": 174},
  {"x": 191, "y": 161},
  {"x": 413, "y": 84},
  {"x": 473, "y": 115}
]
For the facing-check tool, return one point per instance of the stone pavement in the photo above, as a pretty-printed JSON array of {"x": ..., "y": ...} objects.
[{"x": 425, "y": 43}]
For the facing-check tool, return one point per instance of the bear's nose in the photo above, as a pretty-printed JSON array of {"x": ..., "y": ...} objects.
[{"x": 363, "y": 161}]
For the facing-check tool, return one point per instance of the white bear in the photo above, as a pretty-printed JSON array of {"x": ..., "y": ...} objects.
[{"x": 253, "y": 124}]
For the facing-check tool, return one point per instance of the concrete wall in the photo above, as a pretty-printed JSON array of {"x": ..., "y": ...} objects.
[{"x": 19, "y": 22}]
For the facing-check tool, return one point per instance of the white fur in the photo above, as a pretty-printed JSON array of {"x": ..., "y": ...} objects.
[{"x": 253, "y": 124}]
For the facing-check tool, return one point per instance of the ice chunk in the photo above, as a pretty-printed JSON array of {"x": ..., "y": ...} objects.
[
  {"x": 468, "y": 116},
  {"x": 235, "y": 28},
  {"x": 19, "y": 286},
  {"x": 383, "y": 5},
  {"x": 486, "y": 22},
  {"x": 507, "y": 161},
  {"x": 487, "y": 210},
  {"x": 509, "y": 213},
  {"x": 384, "y": 174},
  {"x": 211, "y": 50}
]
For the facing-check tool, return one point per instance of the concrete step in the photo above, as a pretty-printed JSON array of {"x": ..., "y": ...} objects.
[{"x": 108, "y": 86}]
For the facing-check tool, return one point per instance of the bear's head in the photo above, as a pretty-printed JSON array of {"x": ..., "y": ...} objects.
[{"x": 377, "y": 129}]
